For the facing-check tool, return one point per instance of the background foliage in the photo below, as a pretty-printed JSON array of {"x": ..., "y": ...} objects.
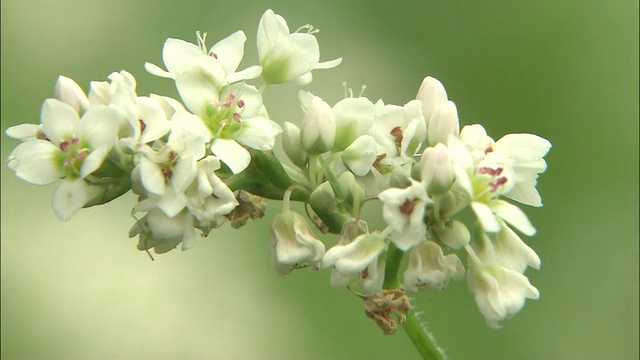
[{"x": 566, "y": 70}]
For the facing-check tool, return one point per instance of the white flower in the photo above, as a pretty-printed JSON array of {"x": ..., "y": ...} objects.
[
  {"x": 209, "y": 198},
  {"x": 292, "y": 146},
  {"x": 233, "y": 118},
  {"x": 360, "y": 156},
  {"x": 74, "y": 148},
  {"x": 293, "y": 244},
  {"x": 399, "y": 130},
  {"x": 500, "y": 292},
  {"x": 505, "y": 249},
  {"x": 284, "y": 56},
  {"x": 218, "y": 64},
  {"x": 362, "y": 258},
  {"x": 403, "y": 210},
  {"x": 353, "y": 117},
  {"x": 429, "y": 268},
  {"x": 163, "y": 233}
]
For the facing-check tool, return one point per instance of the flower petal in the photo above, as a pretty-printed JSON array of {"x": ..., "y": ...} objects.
[
  {"x": 70, "y": 196},
  {"x": 93, "y": 161},
  {"x": 34, "y": 161},
  {"x": 486, "y": 217},
  {"x": 514, "y": 216},
  {"x": 196, "y": 90},
  {"x": 59, "y": 120},
  {"x": 230, "y": 50},
  {"x": 232, "y": 154},
  {"x": 23, "y": 131},
  {"x": 151, "y": 176},
  {"x": 259, "y": 133}
]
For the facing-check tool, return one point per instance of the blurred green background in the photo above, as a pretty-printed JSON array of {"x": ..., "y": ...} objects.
[{"x": 566, "y": 70}]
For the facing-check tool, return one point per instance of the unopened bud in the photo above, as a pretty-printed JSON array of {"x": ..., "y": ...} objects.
[
  {"x": 429, "y": 268},
  {"x": 70, "y": 93},
  {"x": 443, "y": 123},
  {"x": 436, "y": 169},
  {"x": 293, "y": 244},
  {"x": 292, "y": 146},
  {"x": 432, "y": 95},
  {"x": 318, "y": 130},
  {"x": 454, "y": 235}
]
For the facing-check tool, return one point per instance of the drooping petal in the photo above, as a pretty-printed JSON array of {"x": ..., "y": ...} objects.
[
  {"x": 514, "y": 216},
  {"x": 156, "y": 70},
  {"x": 232, "y": 154},
  {"x": 70, "y": 196},
  {"x": 329, "y": 64},
  {"x": 486, "y": 217},
  {"x": 59, "y": 120},
  {"x": 34, "y": 161},
  {"x": 249, "y": 73}
]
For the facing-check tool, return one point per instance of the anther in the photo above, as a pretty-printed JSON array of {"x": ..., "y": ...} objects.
[
  {"x": 64, "y": 146},
  {"x": 240, "y": 103},
  {"x": 213, "y": 55},
  {"x": 237, "y": 117},
  {"x": 142, "y": 125},
  {"x": 407, "y": 207}
]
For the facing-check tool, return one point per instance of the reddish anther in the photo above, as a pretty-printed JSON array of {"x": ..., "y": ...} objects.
[
  {"x": 240, "y": 103},
  {"x": 407, "y": 207},
  {"x": 142, "y": 125},
  {"x": 82, "y": 154},
  {"x": 488, "y": 150},
  {"x": 213, "y": 55},
  {"x": 167, "y": 173},
  {"x": 64, "y": 146},
  {"x": 75, "y": 140},
  {"x": 237, "y": 117}
]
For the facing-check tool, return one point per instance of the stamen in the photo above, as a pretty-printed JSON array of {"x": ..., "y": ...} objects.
[
  {"x": 240, "y": 103},
  {"x": 213, "y": 55},
  {"x": 172, "y": 155},
  {"x": 344, "y": 85},
  {"x": 82, "y": 154},
  {"x": 237, "y": 117},
  {"x": 64, "y": 146},
  {"x": 488, "y": 150},
  {"x": 407, "y": 207},
  {"x": 74, "y": 140},
  {"x": 362, "y": 89},
  {"x": 142, "y": 125},
  {"x": 202, "y": 41},
  {"x": 396, "y": 132},
  {"x": 167, "y": 173}
]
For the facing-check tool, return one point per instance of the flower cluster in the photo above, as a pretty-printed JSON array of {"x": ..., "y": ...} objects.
[{"x": 186, "y": 159}]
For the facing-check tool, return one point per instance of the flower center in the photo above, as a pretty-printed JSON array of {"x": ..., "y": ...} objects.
[
  {"x": 225, "y": 118},
  {"x": 73, "y": 153},
  {"x": 487, "y": 182}
]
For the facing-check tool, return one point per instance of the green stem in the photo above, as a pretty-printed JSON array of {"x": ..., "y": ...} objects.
[{"x": 421, "y": 339}]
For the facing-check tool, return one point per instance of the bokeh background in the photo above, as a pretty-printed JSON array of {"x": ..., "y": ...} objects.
[{"x": 566, "y": 70}]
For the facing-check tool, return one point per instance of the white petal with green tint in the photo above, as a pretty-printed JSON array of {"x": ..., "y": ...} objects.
[
  {"x": 35, "y": 161},
  {"x": 514, "y": 216},
  {"x": 485, "y": 216},
  {"x": 70, "y": 196},
  {"x": 232, "y": 154},
  {"x": 59, "y": 120}
]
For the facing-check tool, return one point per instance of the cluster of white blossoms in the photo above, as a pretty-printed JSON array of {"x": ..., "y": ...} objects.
[{"x": 207, "y": 159}]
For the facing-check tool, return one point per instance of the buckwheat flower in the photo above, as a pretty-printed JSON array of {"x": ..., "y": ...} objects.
[
  {"x": 209, "y": 198},
  {"x": 504, "y": 248},
  {"x": 233, "y": 118},
  {"x": 162, "y": 233},
  {"x": 363, "y": 258},
  {"x": 218, "y": 64},
  {"x": 293, "y": 244},
  {"x": 429, "y": 268},
  {"x": 399, "y": 130},
  {"x": 71, "y": 148},
  {"x": 360, "y": 156},
  {"x": 285, "y": 56},
  {"x": 166, "y": 173},
  {"x": 499, "y": 292},
  {"x": 353, "y": 117},
  {"x": 403, "y": 211}
]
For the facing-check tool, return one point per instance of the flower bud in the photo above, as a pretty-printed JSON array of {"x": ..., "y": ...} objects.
[
  {"x": 360, "y": 155},
  {"x": 443, "y": 123},
  {"x": 69, "y": 92},
  {"x": 293, "y": 244},
  {"x": 432, "y": 95},
  {"x": 291, "y": 145},
  {"x": 454, "y": 234},
  {"x": 429, "y": 268},
  {"x": 436, "y": 169},
  {"x": 318, "y": 130}
]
